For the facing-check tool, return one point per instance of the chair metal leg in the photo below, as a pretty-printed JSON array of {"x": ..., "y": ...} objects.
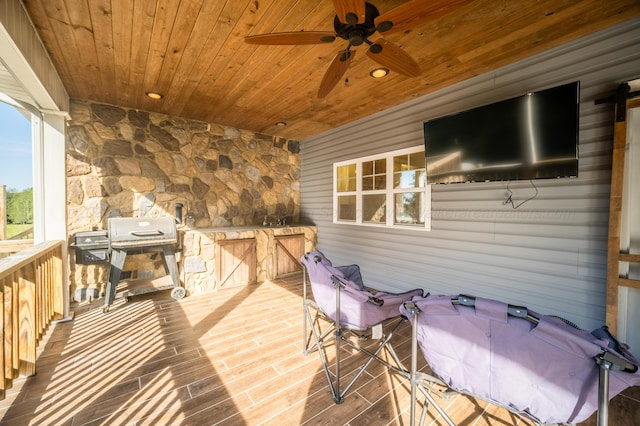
[
  {"x": 374, "y": 356},
  {"x": 603, "y": 394},
  {"x": 305, "y": 324},
  {"x": 323, "y": 359},
  {"x": 418, "y": 378},
  {"x": 413, "y": 310},
  {"x": 338, "y": 397}
]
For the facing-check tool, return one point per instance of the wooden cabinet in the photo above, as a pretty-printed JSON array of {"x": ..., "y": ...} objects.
[
  {"x": 235, "y": 262},
  {"x": 287, "y": 253},
  {"x": 216, "y": 258}
]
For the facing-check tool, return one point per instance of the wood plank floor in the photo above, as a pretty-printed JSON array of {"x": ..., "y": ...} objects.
[{"x": 232, "y": 357}]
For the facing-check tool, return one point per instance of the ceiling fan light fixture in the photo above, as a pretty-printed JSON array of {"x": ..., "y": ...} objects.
[
  {"x": 154, "y": 95},
  {"x": 379, "y": 72}
]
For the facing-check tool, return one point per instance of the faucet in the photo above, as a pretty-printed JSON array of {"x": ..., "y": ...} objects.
[{"x": 178, "y": 207}]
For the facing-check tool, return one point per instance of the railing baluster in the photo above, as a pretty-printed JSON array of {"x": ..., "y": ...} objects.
[
  {"x": 26, "y": 325},
  {"x": 3, "y": 377},
  {"x": 9, "y": 340}
]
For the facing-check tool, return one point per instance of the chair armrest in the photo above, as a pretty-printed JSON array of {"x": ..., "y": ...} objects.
[{"x": 398, "y": 298}]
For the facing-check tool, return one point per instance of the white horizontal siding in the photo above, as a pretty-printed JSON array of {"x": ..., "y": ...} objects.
[
  {"x": 24, "y": 55},
  {"x": 550, "y": 253}
]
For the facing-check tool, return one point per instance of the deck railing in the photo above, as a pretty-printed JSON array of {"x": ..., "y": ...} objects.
[
  {"x": 8, "y": 247},
  {"x": 26, "y": 234},
  {"x": 31, "y": 285}
]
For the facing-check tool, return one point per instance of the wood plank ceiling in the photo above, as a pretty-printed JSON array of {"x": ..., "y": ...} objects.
[{"x": 193, "y": 52}]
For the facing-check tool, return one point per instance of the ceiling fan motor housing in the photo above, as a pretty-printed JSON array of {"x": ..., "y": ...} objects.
[{"x": 357, "y": 34}]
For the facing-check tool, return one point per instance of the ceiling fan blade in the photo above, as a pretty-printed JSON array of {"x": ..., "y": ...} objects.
[
  {"x": 292, "y": 38},
  {"x": 334, "y": 73},
  {"x": 391, "y": 56},
  {"x": 414, "y": 13},
  {"x": 350, "y": 11}
]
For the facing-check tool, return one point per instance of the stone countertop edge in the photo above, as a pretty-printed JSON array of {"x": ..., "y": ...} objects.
[{"x": 243, "y": 228}]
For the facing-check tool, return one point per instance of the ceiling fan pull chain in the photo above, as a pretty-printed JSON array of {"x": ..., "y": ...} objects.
[{"x": 346, "y": 54}]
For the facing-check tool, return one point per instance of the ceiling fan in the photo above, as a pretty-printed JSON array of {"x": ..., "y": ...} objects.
[{"x": 356, "y": 21}]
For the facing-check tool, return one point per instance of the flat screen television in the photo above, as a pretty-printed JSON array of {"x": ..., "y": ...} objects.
[{"x": 534, "y": 136}]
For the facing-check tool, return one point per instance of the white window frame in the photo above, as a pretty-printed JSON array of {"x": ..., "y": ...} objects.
[
  {"x": 43, "y": 94},
  {"x": 390, "y": 192}
]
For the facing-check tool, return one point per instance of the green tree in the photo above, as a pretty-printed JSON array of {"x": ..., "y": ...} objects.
[{"x": 20, "y": 206}]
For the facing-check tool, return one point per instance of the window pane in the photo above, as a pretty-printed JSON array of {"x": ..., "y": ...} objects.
[
  {"x": 374, "y": 208},
  {"x": 367, "y": 168},
  {"x": 410, "y": 179},
  {"x": 410, "y": 208},
  {"x": 417, "y": 160},
  {"x": 347, "y": 207},
  {"x": 346, "y": 178},
  {"x": 400, "y": 163},
  {"x": 409, "y": 171},
  {"x": 374, "y": 174},
  {"x": 16, "y": 173},
  {"x": 367, "y": 183}
]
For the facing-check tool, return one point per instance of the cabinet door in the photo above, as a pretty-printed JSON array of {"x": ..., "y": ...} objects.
[
  {"x": 235, "y": 262},
  {"x": 287, "y": 253}
]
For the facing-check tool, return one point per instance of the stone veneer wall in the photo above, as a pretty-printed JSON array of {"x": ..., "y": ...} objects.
[{"x": 132, "y": 163}]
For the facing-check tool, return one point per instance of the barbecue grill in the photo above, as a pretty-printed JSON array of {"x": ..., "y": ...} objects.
[{"x": 139, "y": 235}]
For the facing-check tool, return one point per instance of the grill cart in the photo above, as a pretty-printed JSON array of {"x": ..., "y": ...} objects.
[{"x": 129, "y": 235}]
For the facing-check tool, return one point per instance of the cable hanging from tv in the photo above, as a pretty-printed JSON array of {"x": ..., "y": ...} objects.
[{"x": 509, "y": 200}]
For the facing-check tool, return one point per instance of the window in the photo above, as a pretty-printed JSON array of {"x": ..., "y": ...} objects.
[
  {"x": 16, "y": 184},
  {"x": 383, "y": 190}
]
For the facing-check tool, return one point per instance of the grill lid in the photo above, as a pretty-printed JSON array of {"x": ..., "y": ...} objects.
[
  {"x": 141, "y": 231},
  {"x": 90, "y": 239}
]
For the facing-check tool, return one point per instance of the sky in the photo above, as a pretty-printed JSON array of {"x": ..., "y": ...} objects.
[{"x": 15, "y": 149}]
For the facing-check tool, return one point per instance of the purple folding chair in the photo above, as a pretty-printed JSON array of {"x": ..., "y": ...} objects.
[
  {"x": 350, "y": 309},
  {"x": 541, "y": 367}
]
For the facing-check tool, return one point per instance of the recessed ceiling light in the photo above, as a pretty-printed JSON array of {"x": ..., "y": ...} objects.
[
  {"x": 379, "y": 72},
  {"x": 154, "y": 95},
  {"x": 281, "y": 124}
]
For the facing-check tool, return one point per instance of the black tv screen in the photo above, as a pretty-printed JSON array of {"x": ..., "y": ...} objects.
[{"x": 534, "y": 136}]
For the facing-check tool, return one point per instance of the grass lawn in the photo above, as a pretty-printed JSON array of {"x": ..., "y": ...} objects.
[{"x": 14, "y": 229}]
